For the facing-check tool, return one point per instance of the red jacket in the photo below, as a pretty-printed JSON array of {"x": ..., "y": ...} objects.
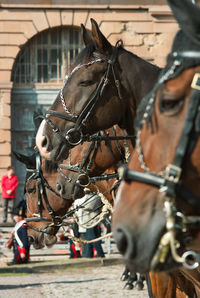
[{"x": 9, "y": 183}]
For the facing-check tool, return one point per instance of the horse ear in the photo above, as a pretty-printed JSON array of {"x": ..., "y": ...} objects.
[
  {"x": 187, "y": 15},
  {"x": 29, "y": 161},
  {"x": 85, "y": 35},
  {"x": 101, "y": 43}
]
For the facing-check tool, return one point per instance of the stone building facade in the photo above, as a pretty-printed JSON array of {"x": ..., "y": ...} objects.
[{"x": 146, "y": 27}]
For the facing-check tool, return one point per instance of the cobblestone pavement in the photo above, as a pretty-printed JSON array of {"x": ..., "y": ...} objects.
[{"x": 75, "y": 282}]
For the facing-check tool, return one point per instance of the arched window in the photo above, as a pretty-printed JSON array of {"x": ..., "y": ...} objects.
[{"x": 47, "y": 56}]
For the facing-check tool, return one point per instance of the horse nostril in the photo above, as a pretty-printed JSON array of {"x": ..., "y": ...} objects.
[
  {"x": 44, "y": 142},
  {"x": 125, "y": 242},
  {"x": 58, "y": 187},
  {"x": 31, "y": 239}
]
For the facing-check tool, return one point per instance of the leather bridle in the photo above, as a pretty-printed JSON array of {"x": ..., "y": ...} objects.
[
  {"x": 42, "y": 184},
  {"x": 75, "y": 136},
  {"x": 84, "y": 168},
  {"x": 169, "y": 182}
]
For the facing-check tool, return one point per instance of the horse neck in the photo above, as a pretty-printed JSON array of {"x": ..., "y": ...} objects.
[{"x": 138, "y": 78}]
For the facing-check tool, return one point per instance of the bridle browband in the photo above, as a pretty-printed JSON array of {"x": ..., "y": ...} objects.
[
  {"x": 169, "y": 182},
  {"x": 85, "y": 114}
]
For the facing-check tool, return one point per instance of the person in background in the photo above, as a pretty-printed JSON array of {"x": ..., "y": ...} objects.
[
  {"x": 90, "y": 206},
  {"x": 19, "y": 238},
  {"x": 74, "y": 247},
  {"x": 9, "y": 183},
  {"x": 90, "y": 248},
  {"x": 81, "y": 230}
]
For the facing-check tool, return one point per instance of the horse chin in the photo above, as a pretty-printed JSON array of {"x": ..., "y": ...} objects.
[
  {"x": 50, "y": 240},
  {"x": 145, "y": 265},
  {"x": 38, "y": 242}
]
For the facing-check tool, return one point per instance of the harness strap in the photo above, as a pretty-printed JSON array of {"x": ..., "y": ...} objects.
[
  {"x": 89, "y": 138},
  {"x": 174, "y": 170},
  {"x": 158, "y": 181},
  {"x": 104, "y": 177},
  {"x": 89, "y": 166},
  {"x": 119, "y": 147},
  {"x": 67, "y": 117},
  {"x": 91, "y": 147},
  {"x": 189, "y": 123}
]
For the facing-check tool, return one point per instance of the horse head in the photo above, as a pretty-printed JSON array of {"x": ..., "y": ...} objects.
[
  {"x": 97, "y": 94},
  {"x": 88, "y": 89},
  {"x": 158, "y": 201},
  {"x": 44, "y": 204}
]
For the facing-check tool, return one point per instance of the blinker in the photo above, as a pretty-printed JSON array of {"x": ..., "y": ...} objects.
[{"x": 196, "y": 81}]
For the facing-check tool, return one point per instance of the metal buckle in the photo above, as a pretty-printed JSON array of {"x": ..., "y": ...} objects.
[
  {"x": 173, "y": 173},
  {"x": 194, "y": 84}
]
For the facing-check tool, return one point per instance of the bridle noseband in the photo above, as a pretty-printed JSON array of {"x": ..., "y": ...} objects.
[
  {"x": 169, "y": 182},
  {"x": 75, "y": 136}
]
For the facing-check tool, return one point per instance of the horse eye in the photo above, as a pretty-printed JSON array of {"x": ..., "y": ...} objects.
[
  {"x": 31, "y": 189},
  {"x": 86, "y": 83},
  {"x": 170, "y": 105}
]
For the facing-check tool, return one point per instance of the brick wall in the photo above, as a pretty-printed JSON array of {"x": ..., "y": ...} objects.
[{"x": 147, "y": 29}]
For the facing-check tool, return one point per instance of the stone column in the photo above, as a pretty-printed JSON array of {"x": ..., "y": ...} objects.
[{"x": 5, "y": 125}]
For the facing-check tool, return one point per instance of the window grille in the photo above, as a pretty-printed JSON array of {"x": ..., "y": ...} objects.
[{"x": 47, "y": 56}]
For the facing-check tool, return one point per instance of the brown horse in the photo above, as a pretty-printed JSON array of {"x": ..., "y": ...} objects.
[
  {"x": 38, "y": 209},
  {"x": 104, "y": 88},
  {"x": 167, "y": 157},
  {"x": 41, "y": 232}
]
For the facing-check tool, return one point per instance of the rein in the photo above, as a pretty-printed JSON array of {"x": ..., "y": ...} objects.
[
  {"x": 85, "y": 114},
  {"x": 169, "y": 182}
]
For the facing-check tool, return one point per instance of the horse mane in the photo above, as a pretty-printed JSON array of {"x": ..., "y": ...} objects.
[{"x": 50, "y": 166}]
